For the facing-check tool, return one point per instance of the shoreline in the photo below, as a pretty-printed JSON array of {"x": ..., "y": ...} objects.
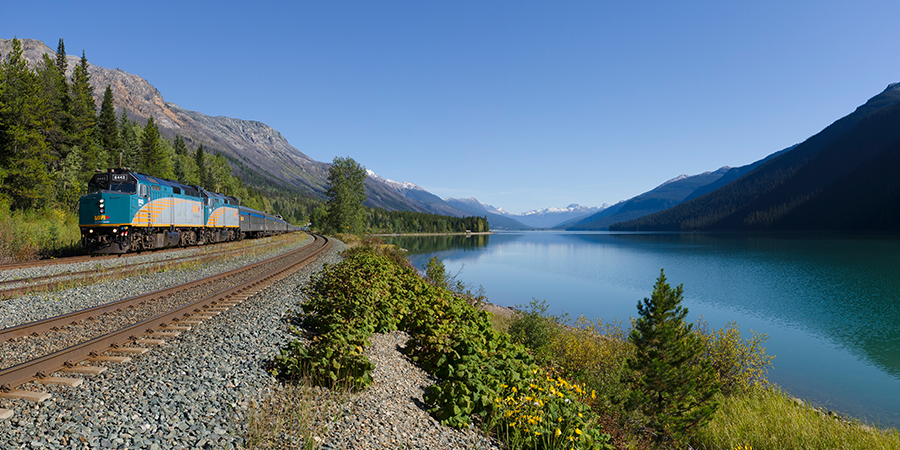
[{"x": 477, "y": 233}]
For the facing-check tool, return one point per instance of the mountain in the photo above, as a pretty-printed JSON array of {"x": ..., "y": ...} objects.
[
  {"x": 553, "y": 217},
  {"x": 662, "y": 197},
  {"x": 256, "y": 151},
  {"x": 497, "y": 218},
  {"x": 842, "y": 179},
  {"x": 731, "y": 175}
]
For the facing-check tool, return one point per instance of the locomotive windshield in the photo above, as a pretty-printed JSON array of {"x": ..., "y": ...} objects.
[{"x": 116, "y": 182}]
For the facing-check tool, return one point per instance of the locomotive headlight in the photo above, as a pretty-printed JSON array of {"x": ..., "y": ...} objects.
[
  {"x": 114, "y": 230},
  {"x": 101, "y": 202}
]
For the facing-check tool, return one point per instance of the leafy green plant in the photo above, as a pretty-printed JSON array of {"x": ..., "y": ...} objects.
[{"x": 547, "y": 413}]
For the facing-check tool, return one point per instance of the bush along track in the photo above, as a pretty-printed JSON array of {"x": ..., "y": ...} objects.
[{"x": 483, "y": 376}]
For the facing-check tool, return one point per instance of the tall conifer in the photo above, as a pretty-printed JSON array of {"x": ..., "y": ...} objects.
[
  {"x": 24, "y": 153},
  {"x": 673, "y": 386},
  {"x": 84, "y": 118},
  {"x": 106, "y": 123},
  {"x": 155, "y": 160},
  {"x": 131, "y": 145}
]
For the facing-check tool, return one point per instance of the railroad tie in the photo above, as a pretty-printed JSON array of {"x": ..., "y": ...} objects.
[
  {"x": 130, "y": 350},
  {"x": 16, "y": 394},
  {"x": 85, "y": 370},
  {"x": 192, "y": 321},
  {"x": 164, "y": 334},
  {"x": 62, "y": 381},
  {"x": 108, "y": 358}
]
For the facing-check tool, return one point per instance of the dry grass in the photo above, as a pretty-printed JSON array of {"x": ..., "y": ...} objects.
[{"x": 294, "y": 416}]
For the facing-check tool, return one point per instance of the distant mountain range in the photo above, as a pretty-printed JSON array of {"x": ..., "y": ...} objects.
[{"x": 843, "y": 179}]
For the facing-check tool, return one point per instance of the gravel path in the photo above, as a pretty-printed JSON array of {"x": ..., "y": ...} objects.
[{"x": 194, "y": 391}]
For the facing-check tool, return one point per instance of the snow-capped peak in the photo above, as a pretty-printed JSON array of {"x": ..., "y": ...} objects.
[
  {"x": 574, "y": 207},
  {"x": 396, "y": 184}
]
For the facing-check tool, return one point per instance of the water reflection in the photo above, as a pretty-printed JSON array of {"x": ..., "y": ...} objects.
[{"x": 417, "y": 245}]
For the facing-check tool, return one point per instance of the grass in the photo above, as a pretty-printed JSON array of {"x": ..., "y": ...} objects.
[
  {"x": 30, "y": 235},
  {"x": 770, "y": 418},
  {"x": 293, "y": 416}
]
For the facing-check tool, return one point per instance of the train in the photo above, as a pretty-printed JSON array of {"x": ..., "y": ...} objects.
[{"x": 125, "y": 211}]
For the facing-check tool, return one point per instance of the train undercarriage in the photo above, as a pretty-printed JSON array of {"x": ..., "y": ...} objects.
[{"x": 127, "y": 239}]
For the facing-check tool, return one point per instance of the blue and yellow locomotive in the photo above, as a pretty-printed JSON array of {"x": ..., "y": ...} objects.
[{"x": 125, "y": 211}]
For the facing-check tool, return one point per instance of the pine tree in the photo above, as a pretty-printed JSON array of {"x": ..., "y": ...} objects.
[
  {"x": 672, "y": 385},
  {"x": 199, "y": 159},
  {"x": 62, "y": 88},
  {"x": 84, "y": 118},
  {"x": 179, "y": 146},
  {"x": 24, "y": 152},
  {"x": 131, "y": 146},
  {"x": 53, "y": 91},
  {"x": 155, "y": 160},
  {"x": 108, "y": 127}
]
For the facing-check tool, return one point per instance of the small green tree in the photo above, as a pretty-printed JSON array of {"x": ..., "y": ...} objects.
[
  {"x": 672, "y": 385},
  {"x": 346, "y": 192},
  {"x": 436, "y": 273}
]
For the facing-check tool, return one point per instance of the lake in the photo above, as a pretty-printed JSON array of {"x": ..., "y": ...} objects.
[{"x": 831, "y": 306}]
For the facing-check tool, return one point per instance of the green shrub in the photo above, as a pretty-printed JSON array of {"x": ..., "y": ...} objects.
[
  {"x": 435, "y": 272},
  {"x": 28, "y": 235},
  {"x": 534, "y": 328},
  {"x": 739, "y": 364},
  {"x": 594, "y": 353}
]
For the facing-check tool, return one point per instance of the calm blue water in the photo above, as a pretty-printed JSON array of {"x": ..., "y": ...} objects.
[{"x": 831, "y": 307}]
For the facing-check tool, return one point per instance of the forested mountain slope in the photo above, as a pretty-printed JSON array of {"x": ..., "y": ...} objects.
[
  {"x": 663, "y": 196},
  {"x": 842, "y": 179}
]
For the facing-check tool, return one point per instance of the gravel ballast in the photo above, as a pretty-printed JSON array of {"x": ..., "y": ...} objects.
[{"x": 194, "y": 391}]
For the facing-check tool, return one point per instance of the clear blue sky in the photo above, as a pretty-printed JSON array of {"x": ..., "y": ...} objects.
[{"x": 520, "y": 104}]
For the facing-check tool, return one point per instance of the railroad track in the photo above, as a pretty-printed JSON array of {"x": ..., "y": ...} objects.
[
  {"x": 186, "y": 305},
  {"x": 26, "y": 285}
]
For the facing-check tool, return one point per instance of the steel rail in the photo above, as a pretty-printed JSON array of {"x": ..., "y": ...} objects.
[
  {"x": 14, "y": 376},
  {"x": 126, "y": 269}
]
